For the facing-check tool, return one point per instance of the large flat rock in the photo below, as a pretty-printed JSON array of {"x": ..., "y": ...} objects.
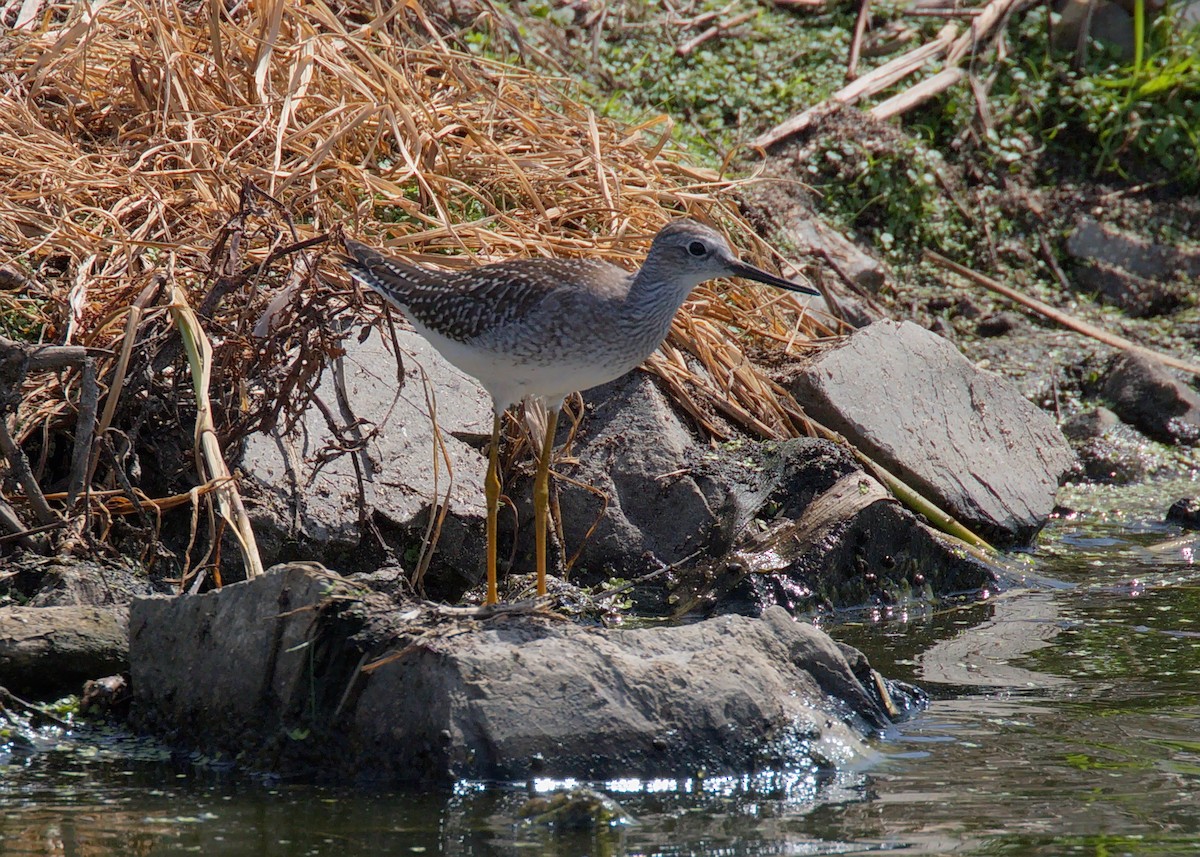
[
  {"x": 963, "y": 437},
  {"x": 369, "y": 450},
  {"x": 301, "y": 671}
]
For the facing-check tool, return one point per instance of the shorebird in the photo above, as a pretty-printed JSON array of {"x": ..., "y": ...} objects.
[{"x": 544, "y": 328}]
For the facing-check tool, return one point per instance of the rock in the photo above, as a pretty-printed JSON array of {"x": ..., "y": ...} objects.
[
  {"x": 301, "y": 673},
  {"x": 313, "y": 491},
  {"x": 1090, "y": 424},
  {"x": 1102, "y": 20},
  {"x": 850, "y": 277},
  {"x": 998, "y": 324},
  {"x": 1108, "y": 450},
  {"x": 1185, "y": 512},
  {"x": 671, "y": 501},
  {"x": 1127, "y": 271},
  {"x": 65, "y": 581},
  {"x": 962, "y": 437},
  {"x": 1136, "y": 296},
  {"x": 574, "y": 809},
  {"x": 50, "y": 651},
  {"x": 825, "y": 535},
  {"x": 1145, "y": 395},
  {"x": 813, "y": 236},
  {"x": 645, "y": 504},
  {"x": 1097, "y": 242}
]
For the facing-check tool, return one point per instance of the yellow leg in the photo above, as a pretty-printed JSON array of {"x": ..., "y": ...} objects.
[
  {"x": 491, "y": 490},
  {"x": 541, "y": 498}
]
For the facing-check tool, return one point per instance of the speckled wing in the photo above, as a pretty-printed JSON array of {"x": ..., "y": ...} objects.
[{"x": 465, "y": 305}]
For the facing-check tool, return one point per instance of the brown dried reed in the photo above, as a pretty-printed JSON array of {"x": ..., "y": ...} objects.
[{"x": 215, "y": 146}]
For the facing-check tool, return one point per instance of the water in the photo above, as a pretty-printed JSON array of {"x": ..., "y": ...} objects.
[{"x": 1065, "y": 719}]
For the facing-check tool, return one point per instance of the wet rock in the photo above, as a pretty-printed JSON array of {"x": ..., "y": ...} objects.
[
  {"x": 314, "y": 491},
  {"x": 964, "y": 438},
  {"x": 1145, "y": 395},
  {"x": 669, "y": 500},
  {"x": 302, "y": 673},
  {"x": 1109, "y": 451},
  {"x": 50, "y": 651},
  {"x": 574, "y": 809},
  {"x": 1185, "y": 512}
]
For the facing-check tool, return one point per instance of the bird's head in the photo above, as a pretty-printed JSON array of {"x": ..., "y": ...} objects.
[{"x": 689, "y": 253}]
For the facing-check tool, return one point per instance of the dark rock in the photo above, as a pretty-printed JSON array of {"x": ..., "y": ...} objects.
[
  {"x": 1185, "y": 512},
  {"x": 942, "y": 328},
  {"x": 825, "y": 535},
  {"x": 962, "y": 437},
  {"x": 299, "y": 673},
  {"x": 998, "y": 324},
  {"x": 965, "y": 307},
  {"x": 1128, "y": 271},
  {"x": 1108, "y": 450},
  {"x": 1090, "y": 424},
  {"x": 63, "y": 581},
  {"x": 50, "y": 651},
  {"x": 645, "y": 504},
  {"x": 1102, "y": 20},
  {"x": 1136, "y": 296},
  {"x": 1145, "y": 395},
  {"x": 313, "y": 492},
  {"x": 574, "y": 809}
]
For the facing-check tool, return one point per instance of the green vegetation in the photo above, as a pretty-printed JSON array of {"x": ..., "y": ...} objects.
[
  {"x": 1150, "y": 111},
  {"x": 731, "y": 89},
  {"x": 728, "y": 90},
  {"x": 1108, "y": 117},
  {"x": 932, "y": 184},
  {"x": 892, "y": 189}
]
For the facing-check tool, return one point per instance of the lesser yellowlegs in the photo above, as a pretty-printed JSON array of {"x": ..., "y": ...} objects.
[{"x": 545, "y": 328}]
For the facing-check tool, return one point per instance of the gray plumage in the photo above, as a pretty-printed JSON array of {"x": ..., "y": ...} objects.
[{"x": 548, "y": 327}]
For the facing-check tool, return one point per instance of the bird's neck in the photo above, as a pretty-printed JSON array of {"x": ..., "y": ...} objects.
[{"x": 657, "y": 294}]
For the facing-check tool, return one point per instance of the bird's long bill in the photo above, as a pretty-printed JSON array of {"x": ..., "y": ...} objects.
[{"x": 742, "y": 269}]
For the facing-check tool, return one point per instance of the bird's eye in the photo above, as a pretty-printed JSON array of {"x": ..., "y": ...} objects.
[{"x": 697, "y": 248}]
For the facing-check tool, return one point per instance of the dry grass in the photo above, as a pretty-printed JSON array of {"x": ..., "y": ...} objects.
[{"x": 150, "y": 146}]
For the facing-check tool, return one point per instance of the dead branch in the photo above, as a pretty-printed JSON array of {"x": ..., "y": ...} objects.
[
  {"x": 712, "y": 32},
  {"x": 860, "y": 29},
  {"x": 904, "y": 101},
  {"x": 1062, "y": 318},
  {"x": 869, "y": 84},
  {"x": 949, "y": 43}
]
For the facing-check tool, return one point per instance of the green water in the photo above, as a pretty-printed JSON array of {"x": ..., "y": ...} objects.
[{"x": 1065, "y": 719}]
